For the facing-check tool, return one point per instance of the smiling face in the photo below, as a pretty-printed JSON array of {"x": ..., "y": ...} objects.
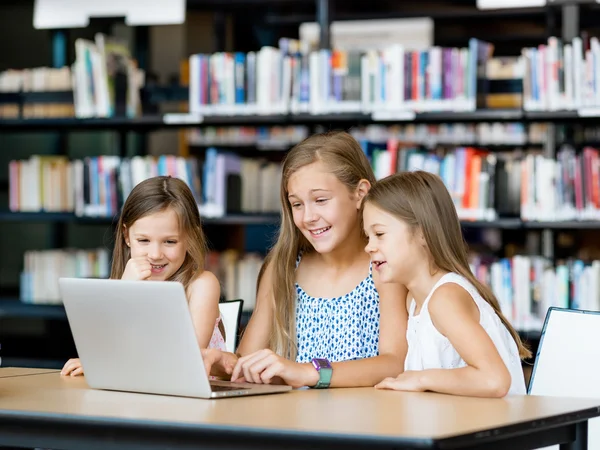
[
  {"x": 158, "y": 237},
  {"x": 397, "y": 251},
  {"x": 323, "y": 208}
]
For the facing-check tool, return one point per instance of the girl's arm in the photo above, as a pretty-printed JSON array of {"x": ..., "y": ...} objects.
[
  {"x": 263, "y": 366},
  {"x": 256, "y": 334},
  {"x": 203, "y": 295},
  {"x": 456, "y": 316},
  {"x": 392, "y": 343}
]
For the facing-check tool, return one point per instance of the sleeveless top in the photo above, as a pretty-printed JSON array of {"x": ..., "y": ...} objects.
[
  {"x": 216, "y": 340},
  {"x": 340, "y": 328},
  {"x": 429, "y": 349}
]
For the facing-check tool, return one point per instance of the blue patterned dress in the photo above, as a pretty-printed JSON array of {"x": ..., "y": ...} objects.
[{"x": 341, "y": 328}]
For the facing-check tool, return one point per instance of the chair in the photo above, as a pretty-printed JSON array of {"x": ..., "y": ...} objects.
[
  {"x": 231, "y": 314},
  {"x": 567, "y": 363}
]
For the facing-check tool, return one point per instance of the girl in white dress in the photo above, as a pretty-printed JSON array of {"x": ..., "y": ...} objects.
[{"x": 458, "y": 340}]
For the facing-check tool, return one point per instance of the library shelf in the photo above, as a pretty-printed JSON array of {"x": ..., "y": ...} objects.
[
  {"x": 148, "y": 123},
  {"x": 13, "y": 307},
  {"x": 552, "y": 115},
  {"x": 243, "y": 219},
  {"x": 52, "y": 217},
  {"x": 232, "y": 219},
  {"x": 481, "y": 115},
  {"x": 152, "y": 122},
  {"x": 505, "y": 224},
  {"x": 564, "y": 225},
  {"x": 274, "y": 218},
  {"x": 516, "y": 223},
  {"x": 143, "y": 123}
]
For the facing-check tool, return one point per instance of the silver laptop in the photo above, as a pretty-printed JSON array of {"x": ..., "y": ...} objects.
[{"x": 138, "y": 336}]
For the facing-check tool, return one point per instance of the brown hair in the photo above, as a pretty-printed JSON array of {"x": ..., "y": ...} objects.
[
  {"x": 422, "y": 201},
  {"x": 345, "y": 159},
  {"x": 154, "y": 195}
]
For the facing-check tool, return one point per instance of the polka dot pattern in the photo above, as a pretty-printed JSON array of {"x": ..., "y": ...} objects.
[{"x": 341, "y": 328}]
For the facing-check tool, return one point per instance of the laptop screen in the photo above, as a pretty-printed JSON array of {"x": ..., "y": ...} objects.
[{"x": 568, "y": 357}]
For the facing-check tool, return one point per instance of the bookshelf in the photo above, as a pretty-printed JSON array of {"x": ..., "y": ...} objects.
[
  {"x": 273, "y": 219},
  {"x": 230, "y": 219},
  {"x": 152, "y": 120}
]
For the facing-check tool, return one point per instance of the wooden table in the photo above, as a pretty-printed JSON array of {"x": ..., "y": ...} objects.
[
  {"x": 7, "y": 372},
  {"x": 51, "y": 411}
]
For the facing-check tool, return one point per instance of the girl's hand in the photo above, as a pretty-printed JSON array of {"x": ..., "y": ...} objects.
[
  {"x": 218, "y": 363},
  {"x": 406, "y": 381},
  {"x": 137, "y": 269},
  {"x": 266, "y": 367},
  {"x": 72, "y": 367}
]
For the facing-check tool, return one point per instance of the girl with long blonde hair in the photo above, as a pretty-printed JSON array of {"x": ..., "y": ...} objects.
[{"x": 321, "y": 317}]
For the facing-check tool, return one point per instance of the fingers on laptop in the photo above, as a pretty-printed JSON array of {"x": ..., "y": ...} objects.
[
  {"x": 217, "y": 362},
  {"x": 258, "y": 367},
  {"x": 72, "y": 367}
]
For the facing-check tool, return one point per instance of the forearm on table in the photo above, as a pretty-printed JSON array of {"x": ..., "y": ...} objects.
[
  {"x": 367, "y": 371},
  {"x": 467, "y": 381}
]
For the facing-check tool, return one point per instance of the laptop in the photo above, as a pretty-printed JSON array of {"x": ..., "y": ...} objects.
[
  {"x": 566, "y": 362},
  {"x": 138, "y": 336}
]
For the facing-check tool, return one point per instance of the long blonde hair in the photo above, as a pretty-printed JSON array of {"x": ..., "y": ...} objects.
[
  {"x": 344, "y": 158},
  {"x": 421, "y": 200},
  {"x": 154, "y": 195}
]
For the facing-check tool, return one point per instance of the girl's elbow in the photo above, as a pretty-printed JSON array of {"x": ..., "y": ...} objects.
[{"x": 499, "y": 384}]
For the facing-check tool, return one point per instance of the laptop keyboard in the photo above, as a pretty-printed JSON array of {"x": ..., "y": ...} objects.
[{"x": 217, "y": 388}]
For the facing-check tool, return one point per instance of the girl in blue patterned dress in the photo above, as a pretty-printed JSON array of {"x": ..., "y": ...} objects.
[{"x": 318, "y": 301}]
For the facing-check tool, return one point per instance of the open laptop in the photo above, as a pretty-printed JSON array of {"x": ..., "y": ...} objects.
[
  {"x": 567, "y": 363},
  {"x": 138, "y": 336}
]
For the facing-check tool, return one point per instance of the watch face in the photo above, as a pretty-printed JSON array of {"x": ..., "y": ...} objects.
[{"x": 322, "y": 363}]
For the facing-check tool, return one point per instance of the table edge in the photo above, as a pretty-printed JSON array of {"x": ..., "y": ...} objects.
[
  {"x": 31, "y": 419},
  {"x": 520, "y": 428}
]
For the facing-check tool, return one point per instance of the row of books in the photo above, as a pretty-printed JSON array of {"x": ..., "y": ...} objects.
[
  {"x": 431, "y": 135},
  {"x": 237, "y": 272},
  {"x": 264, "y": 138},
  {"x": 562, "y": 76},
  {"x": 291, "y": 78},
  {"x": 468, "y": 173},
  {"x": 486, "y": 185},
  {"x": 526, "y": 286},
  {"x": 106, "y": 79},
  {"x": 565, "y": 188},
  {"x": 39, "y": 79},
  {"x": 43, "y": 268},
  {"x": 98, "y": 186}
]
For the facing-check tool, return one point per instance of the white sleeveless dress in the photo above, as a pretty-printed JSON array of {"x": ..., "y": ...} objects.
[{"x": 429, "y": 349}]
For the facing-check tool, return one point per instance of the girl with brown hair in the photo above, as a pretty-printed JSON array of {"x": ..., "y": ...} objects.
[
  {"x": 159, "y": 237},
  {"x": 458, "y": 340}
]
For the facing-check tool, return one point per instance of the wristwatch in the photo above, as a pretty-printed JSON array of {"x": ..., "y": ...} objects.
[{"x": 325, "y": 370}]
